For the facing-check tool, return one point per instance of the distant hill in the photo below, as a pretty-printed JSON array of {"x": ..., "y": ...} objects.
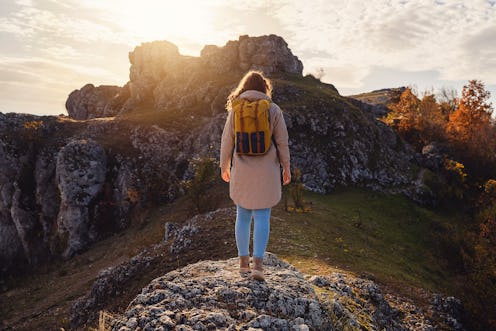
[
  {"x": 384, "y": 97},
  {"x": 377, "y": 102}
]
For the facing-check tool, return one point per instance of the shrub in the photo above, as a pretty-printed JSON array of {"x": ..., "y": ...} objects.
[
  {"x": 296, "y": 190},
  {"x": 205, "y": 174},
  {"x": 449, "y": 183}
]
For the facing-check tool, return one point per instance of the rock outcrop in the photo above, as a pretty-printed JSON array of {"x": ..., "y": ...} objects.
[
  {"x": 269, "y": 54},
  {"x": 92, "y": 102},
  {"x": 80, "y": 172},
  {"x": 65, "y": 184},
  {"x": 213, "y": 295},
  {"x": 161, "y": 78},
  {"x": 332, "y": 142}
]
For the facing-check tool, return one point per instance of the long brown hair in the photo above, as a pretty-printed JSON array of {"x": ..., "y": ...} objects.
[{"x": 252, "y": 80}]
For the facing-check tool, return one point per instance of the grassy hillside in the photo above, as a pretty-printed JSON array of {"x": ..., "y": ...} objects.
[{"x": 385, "y": 238}]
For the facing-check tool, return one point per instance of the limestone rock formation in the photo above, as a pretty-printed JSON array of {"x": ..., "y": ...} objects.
[
  {"x": 269, "y": 54},
  {"x": 22, "y": 235},
  {"x": 81, "y": 171},
  {"x": 151, "y": 63},
  {"x": 91, "y": 102},
  {"x": 332, "y": 142},
  {"x": 213, "y": 295},
  {"x": 162, "y": 79}
]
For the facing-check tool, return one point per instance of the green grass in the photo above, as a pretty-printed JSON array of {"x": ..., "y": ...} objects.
[{"x": 386, "y": 237}]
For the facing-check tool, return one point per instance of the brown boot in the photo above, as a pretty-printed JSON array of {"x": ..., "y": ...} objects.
[
  {"x": 244, "y": 264},
  {"x": 257, "y": 271}
]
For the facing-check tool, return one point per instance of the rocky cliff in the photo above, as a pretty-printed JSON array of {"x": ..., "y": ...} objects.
[{"x": 66, "y": 182}]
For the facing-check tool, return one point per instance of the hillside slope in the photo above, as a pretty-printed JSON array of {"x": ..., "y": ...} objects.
[
  {"x": 397, "y": 248},
  {"x": 69, "y": 182}
]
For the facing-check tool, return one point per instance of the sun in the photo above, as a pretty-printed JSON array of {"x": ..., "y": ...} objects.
[{"x": 183, "y": 22}]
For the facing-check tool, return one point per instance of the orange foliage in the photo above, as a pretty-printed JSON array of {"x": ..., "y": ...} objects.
[
  {"x": 418, "y": 121},
  {"x": 470, "y": 129},
  {"x": 34, "y": 125}
]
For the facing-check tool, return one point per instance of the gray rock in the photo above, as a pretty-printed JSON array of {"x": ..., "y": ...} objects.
[
  {"x": 81, "y": 170},
  {"x": 91, "y": 101},
  {"x": 161, "y": 76},
  {"x": 269, "y": 54},
  {"x": 433, "y": 155},
  {"x": 213, "y": 295},
  {"x": 285, "y": 301}
]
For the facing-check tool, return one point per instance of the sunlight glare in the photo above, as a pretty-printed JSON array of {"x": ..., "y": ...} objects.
[{"x": 183, "y": 22}]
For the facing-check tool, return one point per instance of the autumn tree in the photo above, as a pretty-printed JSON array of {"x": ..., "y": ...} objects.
[
  {"x": 419, "y": 121},
  {"x": 403, "y": 114},
  {"x": 431, "y": 122},
  {"x": 471, "y": 130}
]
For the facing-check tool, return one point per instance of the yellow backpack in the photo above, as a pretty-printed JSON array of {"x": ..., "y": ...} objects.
[{"x": 252, "y": 133}]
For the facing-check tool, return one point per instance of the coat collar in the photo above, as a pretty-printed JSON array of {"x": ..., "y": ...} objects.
[{"x": 254, "y": 95}]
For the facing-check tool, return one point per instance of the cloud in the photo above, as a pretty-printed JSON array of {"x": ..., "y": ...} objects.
[
  {"x": 41, "y": 86},
  {"x": 354, "y": 41},
  {"x": 454, "y": 38}
]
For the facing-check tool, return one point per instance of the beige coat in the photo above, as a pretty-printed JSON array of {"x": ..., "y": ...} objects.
[{"x": 256, "y": 180}]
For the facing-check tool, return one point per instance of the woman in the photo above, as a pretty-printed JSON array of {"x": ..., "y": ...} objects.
[{"x": 254, "y": 181}]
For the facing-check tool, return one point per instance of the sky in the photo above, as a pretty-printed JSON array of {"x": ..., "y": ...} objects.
[{"x": 48, "y": 48}]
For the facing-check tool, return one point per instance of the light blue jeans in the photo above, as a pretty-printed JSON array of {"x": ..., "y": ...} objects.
[{"x": 261, "y": 230}]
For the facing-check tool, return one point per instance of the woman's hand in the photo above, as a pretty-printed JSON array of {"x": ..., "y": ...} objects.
[
  {"x": 226, "y": 175},
  {"x": 286, "y": 176}
]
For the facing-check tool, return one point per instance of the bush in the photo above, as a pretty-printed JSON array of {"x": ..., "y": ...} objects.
[
  {"x": 296, "y": 190},
  {"x": 449, "y": 183},
  {"x": 205, "y": 174}
]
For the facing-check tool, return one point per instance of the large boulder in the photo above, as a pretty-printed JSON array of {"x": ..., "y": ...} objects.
[
  {"x": 150, "y": 63},
  {"x": 92, "y": 102},
  {"x": 269, "y": 54}
]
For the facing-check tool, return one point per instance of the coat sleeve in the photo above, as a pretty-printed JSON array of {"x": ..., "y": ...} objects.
[
  {"x": 227, "y": 143},
  {"x": 281, "y": 138}
]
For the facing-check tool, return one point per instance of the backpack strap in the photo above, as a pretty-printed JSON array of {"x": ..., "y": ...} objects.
[
  {"x": 257, "y": 132},
  {"x": 241, "y": 124},
  {"x": 272, "y": 133}
]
